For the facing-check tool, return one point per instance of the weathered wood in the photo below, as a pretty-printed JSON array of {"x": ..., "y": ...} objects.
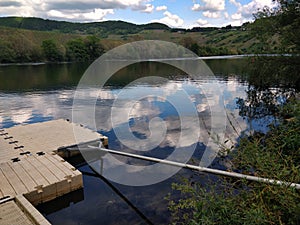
[
  {"x": 30, "y": 211},
  {"x": 26, "y": 179},
  {"x": 30, "y": 167},
  {"x": 19, "y": 211},
  {"x": 51, "y": 136},
  {"x": 6, "y": 188},
  {"x": 10, "y": 214}
]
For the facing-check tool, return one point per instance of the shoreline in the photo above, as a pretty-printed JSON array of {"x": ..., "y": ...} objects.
[{"x": 200, "y": 57}]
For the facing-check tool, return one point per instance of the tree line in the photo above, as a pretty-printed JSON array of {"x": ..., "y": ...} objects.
[
  {"x": 102, "y": 29},
  {"x": 78, "y": 49}
]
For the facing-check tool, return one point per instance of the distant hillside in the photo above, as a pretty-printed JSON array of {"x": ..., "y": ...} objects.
[
  {"x": 40, "y": 40},
  {"x": 96, "y": 28}
]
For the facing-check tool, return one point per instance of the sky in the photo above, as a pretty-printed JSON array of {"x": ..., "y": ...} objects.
[{"x": 174, "y": 13}]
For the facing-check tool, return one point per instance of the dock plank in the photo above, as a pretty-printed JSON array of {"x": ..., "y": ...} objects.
[
  {"x": 52, "y": 135},
  {"x": 27, "y": 180},
  {"x": 65, "y": 164},
  {"x": 73, "y": 176},
  {"x": 55, "y": 168},
  {"x": 7, "y": 151},
  {"x": 6, "y": 187},
  {"x": 33, "y": 172},
  {"x": 43, "y": 170},
  {"x": 64, "y": 181},
  {"x": 38, "y": 177},
  {"x": 26, "y": 206},
  {"x": 13, "y": 179},
  {"x": 11, "y": 214}
]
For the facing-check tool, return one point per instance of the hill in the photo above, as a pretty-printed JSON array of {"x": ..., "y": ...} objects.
[
  {"x": 96, "y": 28},
  {"x": 36, "y": 39}
]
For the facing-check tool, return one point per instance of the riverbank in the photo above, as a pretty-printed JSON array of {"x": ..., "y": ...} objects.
[
  {"x": 200, "y": 57},
  {"x": 274, "y": 155}
]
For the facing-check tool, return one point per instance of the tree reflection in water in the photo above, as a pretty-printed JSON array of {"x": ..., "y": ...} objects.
[{"x": 272, "y": 82}]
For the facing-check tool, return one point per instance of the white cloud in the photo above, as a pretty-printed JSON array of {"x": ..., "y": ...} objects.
[
  {"x": 79, "y": 10},
  {"x": 95, "y": 15},
  {"x": 21, "y": 116},
  {"x": 161, "y": 8},
  {"x": 170, "y": 19},
  {"x": 210, "y": 5},
  {"x": 236, "y": 16},
  {"x": 245, "y": 12},
  {"x": 98, "y": 10},
  {"x": 196, "y": 7},
  {"x": 226, "y": 15},
  {"x": 202, "y": 22},
  {"x": 213, "y": 15},
  {"x": 149, "y": 8},
  {"x": 252, "y": 7},
  {"x": 234, "y": 2}
]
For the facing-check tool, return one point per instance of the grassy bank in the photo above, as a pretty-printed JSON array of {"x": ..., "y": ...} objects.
[{"x": 275, "y": 155}]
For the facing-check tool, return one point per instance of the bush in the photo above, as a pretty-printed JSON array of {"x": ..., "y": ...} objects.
[
  {"x": 7, "y": 54},
  {"x": 84, "y": 49},
  {"x": 51, "y": 51},
  {"x": 275, "y": 155}
]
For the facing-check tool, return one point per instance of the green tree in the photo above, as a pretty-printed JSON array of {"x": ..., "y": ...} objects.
[
  {"x": 283, "y": 21},
  {"x": 93, "y": 47},
  {"x": 84, "y": 49},
  {"x": 76, "y": 51},
  {"x": 51, "y": 51},
  {"x": 289, "y": 20},
  {"x": 195, "y": 48},
  {"x": 25, "y": 49},
  {"x": 7, "y": 54}
]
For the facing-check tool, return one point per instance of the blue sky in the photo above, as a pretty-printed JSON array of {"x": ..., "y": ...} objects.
[{"x": 175, "y": 13}]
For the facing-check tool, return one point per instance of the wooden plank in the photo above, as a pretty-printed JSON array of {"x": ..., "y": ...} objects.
[
  {"x": 6, "y": 187},
  {"x": 46, "y": 182},
  {"x": 11, "y": 214},
  {"x": 52, "y": 135},
  {"x": 32, "y": 212},
  {"x": 55, "y": 168},
  {"x": 13, "y": 179},
  {"x": 67, "y": 165},
  {"x": 64, "y": 182},
  {"x": 41, "y": 178},
  {"x": 7, "y": 151},
  {"x": 33, "y": 172},
  {"x": 44, "y": 171},
  {"x": 1, "y": 194},
  {"x": 26, "y": 179},
  {"x": 73, "y": 176},
  {"x": 61, "y": 164}
]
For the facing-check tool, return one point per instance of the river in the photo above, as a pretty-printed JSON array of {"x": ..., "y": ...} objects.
[{"x": 43, "y": 92}]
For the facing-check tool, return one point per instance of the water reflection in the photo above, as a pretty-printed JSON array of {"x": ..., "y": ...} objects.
[
  {"x": 34, "y": 107},
  {"x": 45, "y": 92},
  {"x": 29, "y": 78}
]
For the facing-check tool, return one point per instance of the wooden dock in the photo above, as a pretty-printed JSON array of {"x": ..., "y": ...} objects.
[
  {"x": 19, "y": 211},
  {"x": 31, "y": 169}
]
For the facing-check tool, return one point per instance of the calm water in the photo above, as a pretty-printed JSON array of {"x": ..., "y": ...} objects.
[{"x": 34, "y": 93}]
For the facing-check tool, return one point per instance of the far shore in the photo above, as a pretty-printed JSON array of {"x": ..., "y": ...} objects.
[{"x": 200, "y": 57}]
